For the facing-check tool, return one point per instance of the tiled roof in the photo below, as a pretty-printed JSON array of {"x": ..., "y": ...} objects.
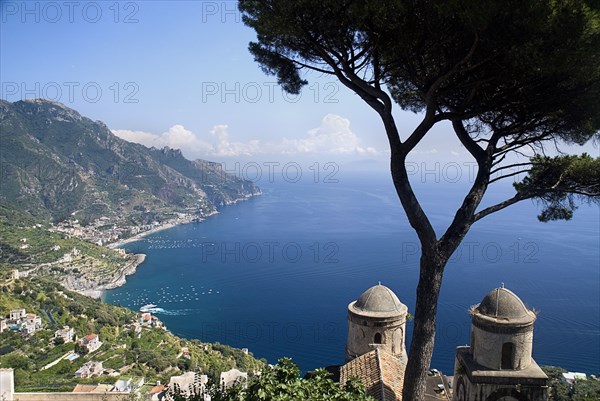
[
  {"x": 380, "y": 372},
  {"x": 157, "y": 389}
]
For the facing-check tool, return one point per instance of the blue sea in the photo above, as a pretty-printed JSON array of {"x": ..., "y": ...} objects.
[{"x": 275, "y": 274}]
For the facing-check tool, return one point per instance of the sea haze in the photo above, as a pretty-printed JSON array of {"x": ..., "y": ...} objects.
[{"x": 275, "y": 274}]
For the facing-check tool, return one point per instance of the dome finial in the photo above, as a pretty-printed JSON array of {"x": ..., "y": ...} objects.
[
  {"x": 501, "y": 285},
  {"x": 379, "y": 282}
]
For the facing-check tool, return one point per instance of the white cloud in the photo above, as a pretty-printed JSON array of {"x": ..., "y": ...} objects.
[
  {"x": 426, "y": 152},
  {"x": 224, "y": 147},
  {"x": 332, "y": 136},
  {"x": 145, "y": 138},
  {"x": 176, "y": 137},
  {"x": 181, "y": 138}
]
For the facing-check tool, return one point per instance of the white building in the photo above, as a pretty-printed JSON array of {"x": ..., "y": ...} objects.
[
  {"x": 233, "y": 377},
  {"x": 128, "y": 385},
  {"x": 89, "y": 369},
  {"x": 31, "y": 323},
  {"x": 17, "y": 314},
  {"x": 188, "y": 384},
  {"x": 66, "y": 333},
  {"x": 122, "y": 386},
  {"x": 91, "y": 342},
  {"x": 572, "y": 377},
  {"x": 33, "y": 319}
]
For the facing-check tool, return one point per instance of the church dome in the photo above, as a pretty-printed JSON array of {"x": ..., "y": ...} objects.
[
  {"x": 378, "y": 300},
  {"x": 503, "y": 304}
]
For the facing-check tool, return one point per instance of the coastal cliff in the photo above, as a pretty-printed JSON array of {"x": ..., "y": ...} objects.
[
  {"x": 73, "y": 192},
  {"x": 61, "y": 166}
]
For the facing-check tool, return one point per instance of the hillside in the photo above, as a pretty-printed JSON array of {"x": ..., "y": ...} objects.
[
  {"x": 26, "y": 244},
  {"x": 69, "y": 186},
  {"x": 126, "y": 351},
  {"x": 59, "y": 165}
]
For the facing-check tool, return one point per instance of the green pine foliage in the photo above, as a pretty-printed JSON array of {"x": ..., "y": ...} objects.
[{"x": 558, "y": 182}]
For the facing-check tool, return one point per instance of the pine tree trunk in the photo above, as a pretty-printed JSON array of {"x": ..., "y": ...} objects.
[{"x": 421, "y": 347}]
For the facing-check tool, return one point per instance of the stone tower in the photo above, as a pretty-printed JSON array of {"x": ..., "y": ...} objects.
[
  {"x": 498, "y": 363},
  {"x": 377, "y": 319}
]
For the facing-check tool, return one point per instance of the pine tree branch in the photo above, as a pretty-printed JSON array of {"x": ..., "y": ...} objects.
[
  {"x": 499, "y": 206},
  {"x": 509, "y": 175},
  {"x": 510, "y": 166}
]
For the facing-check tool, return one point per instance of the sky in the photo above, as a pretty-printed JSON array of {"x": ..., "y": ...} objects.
[{"x": 178, "y": 74}]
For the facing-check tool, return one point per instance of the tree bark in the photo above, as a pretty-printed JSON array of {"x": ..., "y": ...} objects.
[
  {"x": 434, "y": 256},
  {"x": 421, "y": 347}
]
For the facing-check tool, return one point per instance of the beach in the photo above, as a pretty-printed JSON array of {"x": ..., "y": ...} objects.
[
  {"x": 137, "y": 237},
  {"x": 161, "y": 227}
]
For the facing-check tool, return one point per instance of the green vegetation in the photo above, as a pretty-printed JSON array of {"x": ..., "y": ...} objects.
[
  {"x": 39, "y": 242},
  {"x": 152, "y": 353},
  {"x": 581, "y": 390},
  {"x": 568, "y": 170},
  {"x": 282, "y": 382},
  {"x": 28, "y": 245}
]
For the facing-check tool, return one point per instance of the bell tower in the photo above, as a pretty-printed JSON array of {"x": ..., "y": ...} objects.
[
  {"x": 377, "y": 319},
  {"x": 498, "y": 363}
]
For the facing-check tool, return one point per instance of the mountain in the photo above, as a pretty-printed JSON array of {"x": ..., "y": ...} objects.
[{"x": 55, "y": 163}]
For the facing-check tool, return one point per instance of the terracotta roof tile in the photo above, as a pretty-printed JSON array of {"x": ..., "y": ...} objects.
[
  {"x": 380, "y": 372},
  {"x": 157, "y": 389}
]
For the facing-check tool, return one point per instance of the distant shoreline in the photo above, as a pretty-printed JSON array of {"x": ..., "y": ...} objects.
[
  {"x": 98, "y": 292},
  {"x": 170, "y": 224},
  {"x": 158, "y": 228},
  {"x": 139, "y": 236}
]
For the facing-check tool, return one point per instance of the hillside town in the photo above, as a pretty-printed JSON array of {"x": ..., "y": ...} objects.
[
  {"x": 105, "y": 230},
  {"x": 185, "y": 385},
  {"x": 107, "y": 382}
]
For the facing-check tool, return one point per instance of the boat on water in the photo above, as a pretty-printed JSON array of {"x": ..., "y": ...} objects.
[{"x": 147, "y": 308}]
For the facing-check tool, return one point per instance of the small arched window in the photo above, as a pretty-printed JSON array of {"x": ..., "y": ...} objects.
[
  {"x": 377, "y": 339},
  {"x": 508, "y": 356}
]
